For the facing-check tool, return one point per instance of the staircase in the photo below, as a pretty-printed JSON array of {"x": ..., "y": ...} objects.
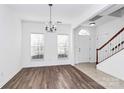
[{"x": 114, "y": 45}]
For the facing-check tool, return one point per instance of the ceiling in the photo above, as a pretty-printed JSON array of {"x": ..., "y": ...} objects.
[
  {"x": 105, "y": 15},
  {"x": 66, "y": 13}
]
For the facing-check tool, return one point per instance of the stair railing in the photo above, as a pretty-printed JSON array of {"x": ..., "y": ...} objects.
[{"x": 111, "y": 47}]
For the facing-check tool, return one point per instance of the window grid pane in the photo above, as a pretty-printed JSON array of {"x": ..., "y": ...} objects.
[
  {"x": 37, "y": 46},
  {"x": 62, "y": 46}
]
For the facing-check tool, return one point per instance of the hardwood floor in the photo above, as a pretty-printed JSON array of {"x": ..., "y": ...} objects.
[{"x": 53, "y": 77}]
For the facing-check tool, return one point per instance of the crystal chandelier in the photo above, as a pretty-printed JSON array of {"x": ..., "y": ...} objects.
[{"x": 50, "y": 27}]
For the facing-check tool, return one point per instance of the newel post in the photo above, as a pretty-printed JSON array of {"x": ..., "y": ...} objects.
[{"x": 96, "y": 56}]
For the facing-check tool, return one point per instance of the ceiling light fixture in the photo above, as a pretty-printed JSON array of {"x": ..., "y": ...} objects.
[
  {"x": 50, "y": 27},
  {"x": 83, "y": 32},
  {"x": 92, "y": 24}
]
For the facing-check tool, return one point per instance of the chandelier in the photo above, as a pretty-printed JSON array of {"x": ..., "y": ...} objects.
[{"x": 50, "y": 27}]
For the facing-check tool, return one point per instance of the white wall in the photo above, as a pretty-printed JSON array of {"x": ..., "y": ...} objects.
[
  {"x": 113, "y": 65},
  {"x": 50, "y": 51},
  {"x": 10, "y": 44}
]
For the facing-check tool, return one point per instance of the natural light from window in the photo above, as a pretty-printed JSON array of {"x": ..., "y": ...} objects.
[
  {"x": 37, "y": 46},
  {"x": 63, "y": 43}
]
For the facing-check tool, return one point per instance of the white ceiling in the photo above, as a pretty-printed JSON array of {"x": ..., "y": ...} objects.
[
  {"x": 105, "y": 15},
  {"x": 67, "y": 13}
]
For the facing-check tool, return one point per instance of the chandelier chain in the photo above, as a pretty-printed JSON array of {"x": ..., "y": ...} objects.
[{"x": 50, "y": 27}]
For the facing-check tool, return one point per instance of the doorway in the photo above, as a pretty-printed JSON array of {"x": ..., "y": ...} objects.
[{"x": 82, "y": 46}]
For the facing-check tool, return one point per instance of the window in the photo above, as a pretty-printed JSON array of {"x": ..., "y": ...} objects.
[
  {"x": 37, "y": 46},
  {"x": 63, "y": 44}
]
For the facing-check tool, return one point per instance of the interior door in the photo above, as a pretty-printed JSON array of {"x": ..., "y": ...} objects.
[{"x": 81, "y": 49}]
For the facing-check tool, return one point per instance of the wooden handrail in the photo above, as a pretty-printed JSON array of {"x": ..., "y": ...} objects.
[
  {"x": 111, "y": 39},
  {"x": 107, "y": 43}
]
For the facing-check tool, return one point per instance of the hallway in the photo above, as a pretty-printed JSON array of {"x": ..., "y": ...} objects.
[{"x": 102, "y": 78}]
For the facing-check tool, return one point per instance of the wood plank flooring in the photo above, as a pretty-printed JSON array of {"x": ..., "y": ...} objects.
[{"x": 53, "y": 77}]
